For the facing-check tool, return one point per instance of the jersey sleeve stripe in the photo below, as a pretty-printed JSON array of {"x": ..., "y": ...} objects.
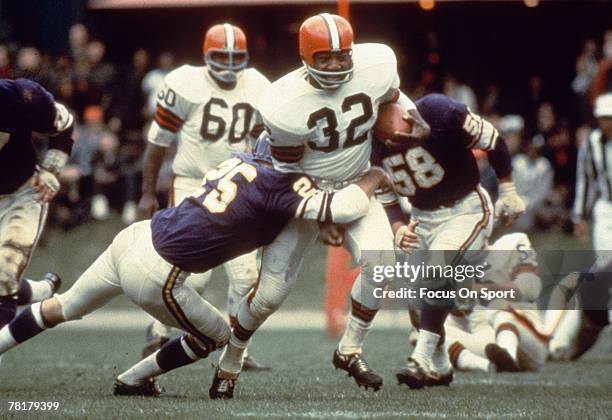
[
  {"x": 287, "y": 154},
  {"x": 169, "y": 115},
  {"x": 166, "y": 125},
  {"x": 523, "y": 268}
]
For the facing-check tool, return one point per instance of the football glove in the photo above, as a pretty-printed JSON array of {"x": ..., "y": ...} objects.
[{"x": 509, "y": 205}]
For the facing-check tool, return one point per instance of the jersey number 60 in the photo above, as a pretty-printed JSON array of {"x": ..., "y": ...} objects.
[{"x": 213, "y": 126}]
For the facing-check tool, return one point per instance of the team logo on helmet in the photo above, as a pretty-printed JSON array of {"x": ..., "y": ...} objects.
[
  {"x": 225, "y": 52},
  {"x": 326, "y": 33}
]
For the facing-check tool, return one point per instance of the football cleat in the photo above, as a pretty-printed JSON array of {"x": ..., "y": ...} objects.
[
  {"x": 147, "y": 389},
  {"x": 223, "y": 385},
  {"x": 358, "y": 368},
  {"x": 250, "y": 363},
  {"x": 587, "y": 336},
  {"x": 417, "y": 377},
  {"x": 500, "y": 358},
  {"x": 154, "y": 341},
  {"x": 54, "y": 280}
]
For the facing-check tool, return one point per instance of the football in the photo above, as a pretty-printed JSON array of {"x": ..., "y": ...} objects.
[{"x": 390, "y": 120}]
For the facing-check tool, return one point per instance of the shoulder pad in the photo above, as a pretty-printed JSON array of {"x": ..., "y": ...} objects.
[
  {"x": 441, "y": 112},
  {"x": 187, "y": 81}
]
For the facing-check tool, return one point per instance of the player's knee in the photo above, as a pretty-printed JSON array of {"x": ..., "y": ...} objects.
[
  {"x": 51, "y": 310},
  {"x": 264, "y": 305},
  {"x": 240, "y": 287},
  {"x": 501, "y": 317},
  {"x": 371, "y": 259},
  {"x": 223, "y": 337}
]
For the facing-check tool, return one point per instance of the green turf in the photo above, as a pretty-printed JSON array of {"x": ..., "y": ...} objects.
[
  {"x": 70, "y": 253},
  {"x": 76, "y": 368}
]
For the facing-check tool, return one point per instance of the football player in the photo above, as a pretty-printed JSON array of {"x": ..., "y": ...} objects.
[
  {"x": 210, "y": 111},
  {"x": 440, "y": 178},
  {"x": 242, "y": 205},
  {"x": 502, "y": 335},
  {"x": 26, "y": 188},
  {"x": 319, "y": 118}
]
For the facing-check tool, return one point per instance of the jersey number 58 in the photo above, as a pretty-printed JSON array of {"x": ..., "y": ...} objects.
[{"x": 415, "y": 166}]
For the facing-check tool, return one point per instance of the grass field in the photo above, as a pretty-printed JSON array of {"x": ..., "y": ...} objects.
[{"x": 77, "y": 369}]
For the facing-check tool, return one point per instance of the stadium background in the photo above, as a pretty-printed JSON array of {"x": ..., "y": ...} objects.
[{"x": 514, "y": 58}]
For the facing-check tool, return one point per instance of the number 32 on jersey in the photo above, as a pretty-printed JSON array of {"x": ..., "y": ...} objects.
[
  {"x": 327, "y": 119},
  {"x": 413, "y": 168}
]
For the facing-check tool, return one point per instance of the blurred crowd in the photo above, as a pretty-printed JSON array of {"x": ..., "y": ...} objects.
[
  {"x": 543, "y": 143},
  {"x": 114, "y": 104}
]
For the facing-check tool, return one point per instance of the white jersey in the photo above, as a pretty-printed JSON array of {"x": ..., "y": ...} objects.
[
  {"x": 209, "y": 122},
  {"x": 334, "y": 126},
  {"x": 508, "y": 256}
]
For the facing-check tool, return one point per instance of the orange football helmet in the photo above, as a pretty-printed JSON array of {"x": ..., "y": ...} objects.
[
  {"x": 225, "y": 52},
  {"x": 326, "y": 33}
]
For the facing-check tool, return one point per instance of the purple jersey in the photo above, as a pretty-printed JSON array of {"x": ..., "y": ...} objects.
[
  {"x": 242, "y": 206},
  {"x": 25, "y": 106},
  {"x": 440, "y": 170}
]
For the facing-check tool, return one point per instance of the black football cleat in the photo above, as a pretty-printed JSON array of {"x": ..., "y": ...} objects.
[
  {"x": 416, "y": 377},
  {"x": 587, "y": 336},
  {"x": 500, "y": 358},
  {"x": 223, "y": 385},
  {"x": 154, "y": 342},
  {"x": 147, "y": 389},
  {"x": 438, "y": 379},
  {"x": 412, "y": 374},
  {"x": 54, "y": 280},
  {"x": 251, "y": 364},
  {"x": 358, "y": 368}
]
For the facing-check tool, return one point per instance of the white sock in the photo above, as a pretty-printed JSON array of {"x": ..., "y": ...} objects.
[
  {"x": 354, "y": 336},
  {"x": 141, "y": 371},
  {"x": 425, "y": 348},
  {"x": 41, "y": 290},
  {"x": 472, "y": 362},
  {"x": 7, "y": 341},
  {"x": 233, "y": 355},
  {"x": 440, "y": 361},
  {"x": 509, "y": 341},
  {"x": 160, "y": 329}
]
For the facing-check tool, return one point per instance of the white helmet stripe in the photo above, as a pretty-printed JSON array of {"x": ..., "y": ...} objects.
[
  {"x": 334, "y": 32},
  {"x": 230, "y": 39}
]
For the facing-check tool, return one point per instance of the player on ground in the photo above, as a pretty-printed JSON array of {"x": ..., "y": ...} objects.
[
  {"x": 440, "y": 177},
  {"x": 243, "y": 204},
  {"x": 319, "y": 119},
  {"x": 210, "y": 111},
  {"x": 506, "y": 336},
  {"x": 26, "y": 189}
]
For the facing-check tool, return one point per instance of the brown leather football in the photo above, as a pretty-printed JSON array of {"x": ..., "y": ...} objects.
[{"x": 390, "y": 120}]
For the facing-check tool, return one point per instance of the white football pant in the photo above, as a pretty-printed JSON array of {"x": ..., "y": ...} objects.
[
  {"x": 130, "y": 265},
  {"x": 602, "y": 231},
  {"x": 22, "y": 219},
  {"x": 282, "y": 260}
]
